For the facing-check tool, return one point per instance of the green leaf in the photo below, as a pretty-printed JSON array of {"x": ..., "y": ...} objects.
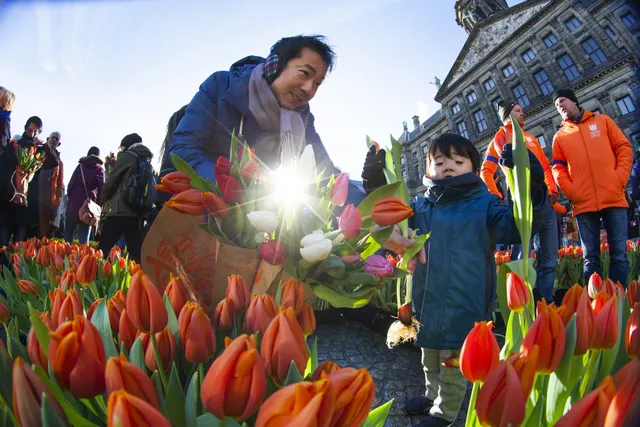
[
  {"x": 389, "y": 168},
  {"x": 48, "y": 416},
  {"x": 191, "y": 403},
  {"x": 6, "y": 386},
  {"x": 293, "y": 376},
  {"x": 279, "y": 294},
  {"x": 564, "y": 368},
  {"x": 340, "y": 299},
  {"x": 246, "y": 155},
  {"x": 413, "y": 250},
  {"x": 622, "y": 358},
  {"x": 375, "y": 240},
  {"x": 172, "y": 323},
  {"x": 560, "y": 382},
  {"x": 357, "y": 278},
  {"x": 174, "y": 400},
  {"x": 100, "y": 320},
  {"x": 41, "y": 330},
  {"x": 312, "y": 362},
  {"x": 333, "y": 266},
  {"x": 365, "y": 207},
  {"x": 16, "y": 349},
  {"x": 513, "y": 335},
  {"x": 136, "y": 354},
  {"x": 396, "y": 154},
  {"x": 157, "y": 383},
  {"x": 378, "y": 416},
  {"x": 207, "y": 420},
  {"x": 196, "y": 180},
  {"x": 238, "y": 224},
  {"x": 233, "y": 155}
]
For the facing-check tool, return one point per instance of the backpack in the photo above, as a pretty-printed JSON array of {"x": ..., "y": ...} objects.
[{"x": 139, "y": 188}]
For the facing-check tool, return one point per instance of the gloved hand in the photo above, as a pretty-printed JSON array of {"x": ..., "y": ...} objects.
[
  {"x": 536, "y": 171},
  {"x": 373, "y": 170}
]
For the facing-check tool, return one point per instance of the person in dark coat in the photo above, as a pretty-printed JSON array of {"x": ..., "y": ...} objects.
[
  {"x": 6, "y": 105},
  {"x": 51, "y": 185},
  {"x": 456, "y": 284},
  {"x": 86, "y": 183},
  {"x": 14, "y": 217}
]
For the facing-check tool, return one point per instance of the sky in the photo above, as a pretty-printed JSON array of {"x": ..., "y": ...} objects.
[{"x": 99, "y": 70}]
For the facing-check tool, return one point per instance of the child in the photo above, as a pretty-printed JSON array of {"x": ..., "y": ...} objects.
[{"x": 456, "y": 285}]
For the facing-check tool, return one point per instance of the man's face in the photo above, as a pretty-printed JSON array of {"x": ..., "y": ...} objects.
[
  {"x": 32, "y": 130},
  {"x": 518, "y": 114},
  {"x": 54, "y": 141},
  {"x": 298, "y": 82},
  {"x": 567, "y": 108}
]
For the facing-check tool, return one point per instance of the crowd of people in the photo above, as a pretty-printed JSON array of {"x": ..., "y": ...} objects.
[{"x": 266, "y": 101}]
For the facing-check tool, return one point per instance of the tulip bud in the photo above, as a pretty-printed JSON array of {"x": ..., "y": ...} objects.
[
  {"x": 174, "y": 183},
  {"x": 350, "y": 221},
  {"x": 127, "y": 333},
  {"x": 28, "y": 389},
  {"x": 632, "y": 333},
  {"x": 188, "y": 202},
  {"x": 307, "y": 320},
  {"x": 69, "y": 308},
  {"x": 324, "y": 369},
  {"x": 114, "y": 254},
  {"x": 250, "y": 171},
  {"x": 405, "y": 314},
  {"x": 197, "y": 337},
  {"x": 166, "y": 349},
  {"x": 27, "y": 287},
  {"x": 315, "y": 247},
  {"x": 282, "y": 343},
  {"x": 390, "y": 211},
  {"x": 238, "y": 292},
  {"x": 273, "y": 252},
  {"x": 177, "y": 293},
  {"x": 595, "y": 283},
  {"x": 633, "y": 293},
  {"x": 214, "y": 205},
  {"x": 115, "y": 305},
  {"x": 264, "y": 221},
  {"x": 145, "y": 306},
  {"x": 480, "y": 353},
  {"x": 354, "y": 390},
  {"x": 518, "y": 295},
  {"x": 260, "y": 313},
  {"x": 126, "y": 410},
  {"x": 58, "y": 262},
  {"x": 378, "y": 266},
  {"x": 225, "y": 313},
  {"x": 34, "y": 349},
  {"x": 235, "y": 384},
  {"x": 43, "y": 258},
  {"x": 624, "y": 409},
  {"x": 591, "y": 410},
  {"x": 500, "y": 399},
  {"x": 292, "y": 295},
  {"x": 122, "y": 375},
  {"x": 87, "y": 270},
  {"x": 548, "y": 333},
  {"x": 340, "y": 190},
  {"x": 585, "y": 325},
  {"x": 107, "y": 269},
  {"x": 351, "y": 259},
  {"x": 222, "y": 168},
  {"x": 605, "y": 333},
  {"x": 231, "y": 189},
  {"x": 4, "y": 313},
  {"x": 68, "y": 279},
  {"x": 77, "y": 358}
]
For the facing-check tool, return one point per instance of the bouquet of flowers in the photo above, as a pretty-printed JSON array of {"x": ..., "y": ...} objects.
[
  {"x": 30, "y": 160},
  {"x": 109, "y": 163},
  {"x": 570, "y": 267}
]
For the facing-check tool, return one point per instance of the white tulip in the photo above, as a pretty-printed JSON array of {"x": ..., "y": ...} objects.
[
  {"x": 264, "y": 221},
  {"x": 315, "y": 247}
]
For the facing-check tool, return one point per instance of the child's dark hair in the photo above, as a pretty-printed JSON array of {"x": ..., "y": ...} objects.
[{"x": 447, "y": 142}]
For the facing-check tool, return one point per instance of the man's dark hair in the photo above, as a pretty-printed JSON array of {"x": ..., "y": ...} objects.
[
  {"x": 290, "y": 47},
  {"x": 36, "y": 121},
  {"x": 171, "y": 128},
  {"x": 448, "y": 142}
]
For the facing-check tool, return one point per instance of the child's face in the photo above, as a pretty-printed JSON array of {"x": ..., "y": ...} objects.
[{"x": 443, "y": 167}]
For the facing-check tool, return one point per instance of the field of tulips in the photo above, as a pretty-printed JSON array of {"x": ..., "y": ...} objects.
[{"x": 91, "y": 341}]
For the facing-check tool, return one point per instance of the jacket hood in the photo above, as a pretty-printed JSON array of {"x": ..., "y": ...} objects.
[
  {"x": 245, "y": 65},
  {"x": 453, "y": 189},
  {"x": 92, "y": 159},
  {"x": 141, "y": 149}
]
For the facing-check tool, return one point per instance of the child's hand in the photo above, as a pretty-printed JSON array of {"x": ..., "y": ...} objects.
[{"x": 398, "y": 243}]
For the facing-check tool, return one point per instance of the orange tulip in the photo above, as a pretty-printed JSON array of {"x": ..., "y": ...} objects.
[
  {"x": 518, "y": 295},
  {"x": 299, "y": 404},
  {"x": 591, "y": 410},
  {"x": 214, "y": 205},
  {"x": 354, "y": 390},
  {"x": 570, "y": 302},
  {"x": 633, "y": 293},
  {"x": 525, "y": 367},
  {"x": 480, "y": 353},
  {"x": 188, "y": 202},
  {"x": 292, "y": 295},
  {"x": 585, "y": 325},
  {"x": 594, "y": 285},
  {"x": 282, "y": 343},
  {"x": 606, "y": 331},
  {"x": 4, "y": 313},
  {"x": 122, "y": 375},
  {"x": 632, "y": 333},
  {"x": 390, "y": 211},
  {"x": 87, "y": 271},
  {"x": 126, "y": 410},
  {"x": 134, "y": 267},
  {"x": 548, "y": 333},
  {"x": 177, "y": 293},
  {"x": 68, "y": 279},
  {"x": 625, "y": 405},
  {"x": 225, "y": 313},
  {"x": 114, "y": 254},
  {"x": 93, "y": 307},
  {"x": 28, "y": 287},
  {"x": 307, "y": 320},
  {"x": 324, "y": 369},
  {"x": 197, "y": 337},
  {"x": 500, "y": 400},
  {"x": 76, "y": 357},
  {"x": 145, "y": 306},
  {"x": 115, "y": 305},
  {"x": 58, "y": 262},
  {"x": 235, "y": 384},
  {"x": 127, "y": 333},
  {"x": 260, "y": 313},
  {"x": 43, "y": 258},
  {"x": 27, "y": 395},
  {"x": 174, "y": 183},
  {"x": 69, "y": 308},
  {"x": 34, "y": 349},
  {"x": 166, "y": 349},
  {"x": 238, "y": 292},
  {"x": 107, "y": 269}
]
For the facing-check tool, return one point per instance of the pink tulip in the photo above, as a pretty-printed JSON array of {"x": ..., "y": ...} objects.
[
  {"x": 350, "y": 221},
  {"x": 378, "y": 266},
  {"x": 340, "y": 190},
  {"x": 350, "y": 259}
]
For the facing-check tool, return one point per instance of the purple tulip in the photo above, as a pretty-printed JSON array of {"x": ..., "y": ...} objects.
[{"x": 378, "y": 266}]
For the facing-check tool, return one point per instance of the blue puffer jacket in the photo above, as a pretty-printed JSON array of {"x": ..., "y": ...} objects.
[
  {"x": 457, "y": 285},
  {"x": 204, "y": 134}
]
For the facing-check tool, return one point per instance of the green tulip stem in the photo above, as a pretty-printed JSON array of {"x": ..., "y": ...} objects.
[
  {"x": 98, "y": 407},
  {"x": 163, "y": 378},
  {"x": 543, "y": 395},
  {"x": 399, "y": 292},
  {"x": 589, "y": 373},
  {"x": 7, "y": 409},
  {"x": 471, "y": 410},
  {"x": 94, "y": 290},
  {"x": 81, "y": 295},
  {"x": 201, "y": 376},
  {"x": 409, "y": 287},
  {"x": 523, "y": 327}
]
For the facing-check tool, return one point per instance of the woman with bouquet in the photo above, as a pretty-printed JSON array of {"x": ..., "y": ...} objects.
[{"x": 51, "y": 184}]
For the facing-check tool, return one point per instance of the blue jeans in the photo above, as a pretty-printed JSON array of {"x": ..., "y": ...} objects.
[
  {"x": 615, "y": 223},
  {"x": 545, "y": 226},
  {"x": 84, "y": 231}
]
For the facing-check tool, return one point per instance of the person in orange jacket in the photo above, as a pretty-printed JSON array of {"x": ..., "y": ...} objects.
[
  {"x": 544, "y": 222},
  {"x": 592, "y": 161}
]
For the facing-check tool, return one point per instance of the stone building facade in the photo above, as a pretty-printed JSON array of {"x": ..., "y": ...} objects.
[{"x": 525, "y": 53}]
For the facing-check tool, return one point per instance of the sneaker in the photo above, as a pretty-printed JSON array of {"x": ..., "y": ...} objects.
[
  {"x": 431, "y": 421},
  {"x": 418, "y": 405}
]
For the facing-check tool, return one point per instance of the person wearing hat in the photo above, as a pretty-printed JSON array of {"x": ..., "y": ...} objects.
[
  {"x": 120, "y": 218},
  {"x": 592, "y": 161},
  {"x": 544, "y": 222}
]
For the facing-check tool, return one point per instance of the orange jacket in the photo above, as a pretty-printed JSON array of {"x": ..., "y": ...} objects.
[
  {"x": 502, "y": 138},
  {"x": 591, "y": 162}
]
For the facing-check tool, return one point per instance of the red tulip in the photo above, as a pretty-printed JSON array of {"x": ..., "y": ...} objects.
[
  {"x": 214, "y": 205},
  {"x": 324, "y": 369},
  {"x": 115, "y": 305},
  {"x": 197, "y": 337},
  {"x": 177, "y": 293},
  {"x": 585, "y": 325},
  {"x": 87, "y": 271},
  {"x": 595, "y": 283},
  {"x": 624, "y": 409},
  {"x": 261, "y": 312},
  {"x": 350, "y": 221},
  {"x": 283, "y": 342},
  {"x": 58, "y": 262},
  {"x": 518, "y": 295},
  {"x": 480, "y": 353},
  {"x": 292, "y": 295},
  {"x": 525, "y": 367},
  {"x": 123, "y": 375},
  {"x": 222, "y": 168},
  {"x": 591, "y": 410},
  {"x": 28, "y": 389},
  {"x": 238, "y": 292},
  {"x": 633, "y": 293},
  {"x": 27, "y": 287},
  {"x": 307, "y": 320},
  {"x": 354, "y": 390},
  {"x": 500, "y": 400},
  {"x": 126, "y": 410},
  {"x": 69, "y": 308},
  {"x": 43, "y": 258},
  {"x": 390, "y": 211},
  {"x": 145, "y": 306},
  {"x": 127, "y": 333},
  {"x": 34, "y": 349},
  {"x": 250, "y": 171},
  {"x": 225, "y": 313},
  {"x": 231, "y": 189},
  {"x": 340, "y": 190},
  {"x": 107, "y": 269},
  {"x": 632, "y": 333},
  {"x": 166, "y": 349},
  {"x": 605, "y": 333},
  {"x": 548, "y": 333},
  {"x": 273, "y": 252}
]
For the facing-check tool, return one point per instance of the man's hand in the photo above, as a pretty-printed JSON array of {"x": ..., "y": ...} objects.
[
  {"x": 398, "y": 243},
  {"x": 373, "y": 169},
  {"x": 553, "y": 198}
]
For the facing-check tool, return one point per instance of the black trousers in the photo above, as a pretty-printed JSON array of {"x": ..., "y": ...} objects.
[{"x": 115, "y": 227}]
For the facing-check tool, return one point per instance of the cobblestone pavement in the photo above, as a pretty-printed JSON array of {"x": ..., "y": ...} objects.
[{"x": 397, "y": 373}]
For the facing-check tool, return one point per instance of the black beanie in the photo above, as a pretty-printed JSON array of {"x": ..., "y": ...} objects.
[
  {"x": 566, "y": 93},
  {"x": 505, "y": 108},
  {"x": 130, "y": 139},
  {"x": 94, "y": 151}
]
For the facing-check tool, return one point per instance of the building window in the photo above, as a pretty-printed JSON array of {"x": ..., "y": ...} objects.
[
  {"x": 481, "y": 122},
  {"x": 610, "y": 32},
  {"x": 596, "y": 111},
  {"x": 543, "y": 81},
  {"x": 417, "y": 170},
  {"x": 425, "y": 148},
  {"x": 593, "y": 50},
  {"x": 569, "y": 68},
  {"x": 626, "y": 105},
  {"x": 528, "y": 56},
  {"x": 624, "y": 50},
  {"x": 521, "y": 95},
  {"x": 508, "y": 70},
  {"x": 550, "y": 39},
  {"x": 404, "y": 175},
  {"x": 415, "y": 156},
  {"x": 629, "y": 20},
  {"x": 462, "y": 130},
  {"x": 495, "y": 106},
  {"x": 489, "y": 84},
  {"x": 542, "y": 141},
  {"x": 403, "y": 160},
  {"x": 455, "y": 108},
  {"x": 573, "y": 23},
  {"x": 472, "y": 97}
]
